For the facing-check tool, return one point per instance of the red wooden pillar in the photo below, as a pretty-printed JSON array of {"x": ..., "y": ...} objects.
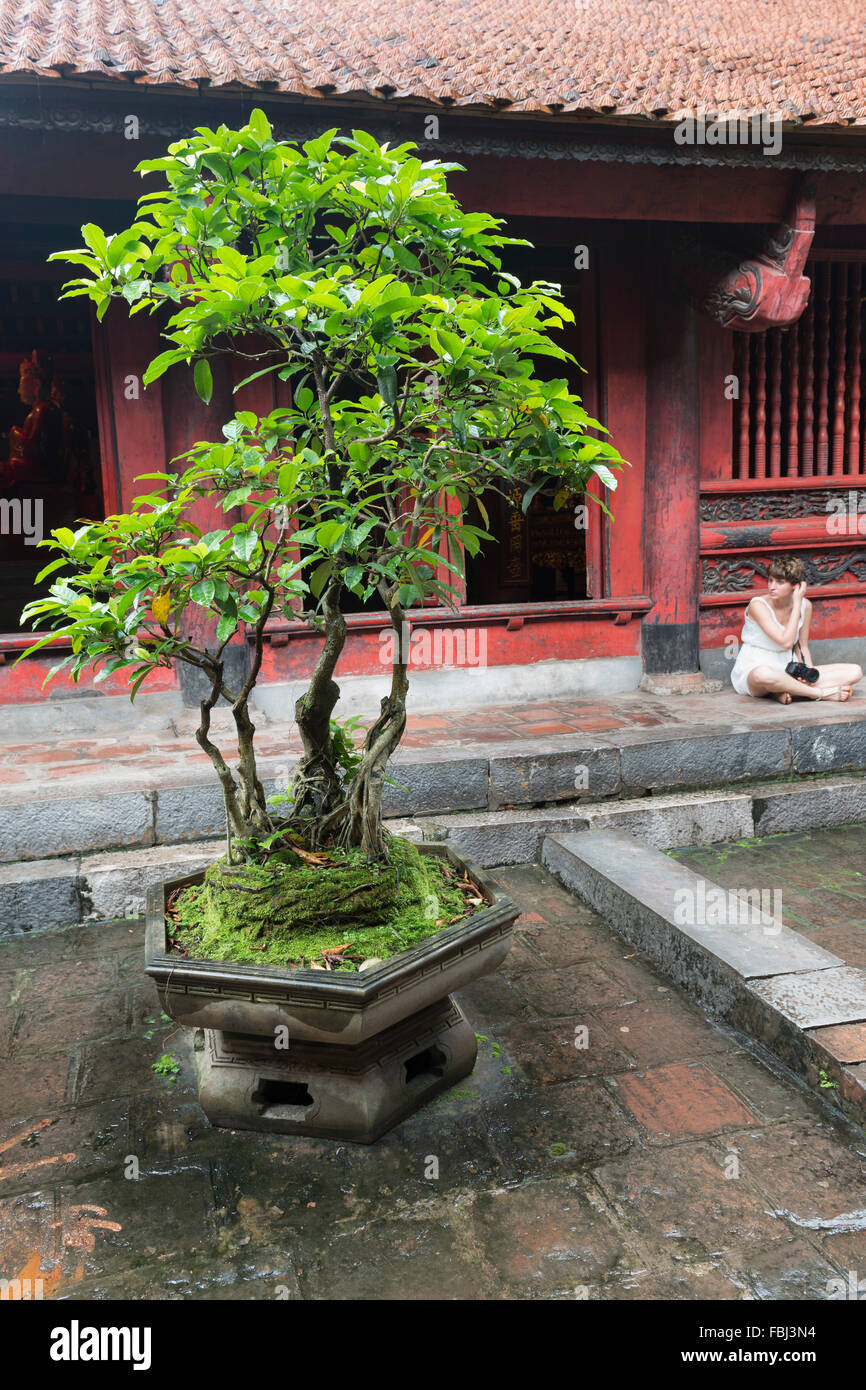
[
  {"x": 131, "y": 427},
  {"x": 671, "y": 515},
  {"x": 142, "y": 429},
  {"x": 623, "y": 355},
  {"x": 187, "y": 419}
]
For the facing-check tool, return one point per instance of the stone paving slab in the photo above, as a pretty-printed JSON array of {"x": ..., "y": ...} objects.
[
  {"x": 846, "y": 1042},
  {"x": 684, "y": 1099},
  {"x": 779, "y": 808},
  {"x": 817, "y": 998}
]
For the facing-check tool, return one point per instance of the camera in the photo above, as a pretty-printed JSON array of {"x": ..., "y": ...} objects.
[{"x": 801, "y": 672}]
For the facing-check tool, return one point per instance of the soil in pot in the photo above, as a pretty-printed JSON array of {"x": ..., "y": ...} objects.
[{"x": 334, "y": 910}]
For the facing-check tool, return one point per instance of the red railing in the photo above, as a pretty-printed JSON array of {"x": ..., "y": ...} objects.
[{"x": 799, "y": 409}]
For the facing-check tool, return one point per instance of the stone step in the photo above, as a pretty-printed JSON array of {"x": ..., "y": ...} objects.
[
  {"x": 72, "y": 888},
  {"x": 97, "y": 807},
  {"x": 497, "y": 838},
  {"x": 59, "y": 892},
  {"x": 740, "y": 962}
]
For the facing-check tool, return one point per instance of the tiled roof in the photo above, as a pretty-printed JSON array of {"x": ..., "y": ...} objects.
[{"x": 618, "y": 58}]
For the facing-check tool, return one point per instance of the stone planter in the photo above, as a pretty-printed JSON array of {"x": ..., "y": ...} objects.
[{"x": 364, "y": 1050}]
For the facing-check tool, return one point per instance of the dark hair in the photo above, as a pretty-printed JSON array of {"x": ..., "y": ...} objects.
[{"x": 787, "y": 568}]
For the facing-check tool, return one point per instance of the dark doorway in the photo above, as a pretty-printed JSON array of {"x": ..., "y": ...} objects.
[
  {"x": 541, "y": 556},
  {"x": 50, "y": 473}
]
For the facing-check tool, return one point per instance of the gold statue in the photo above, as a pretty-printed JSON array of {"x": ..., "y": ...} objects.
[{"x": 37, "y": 448}]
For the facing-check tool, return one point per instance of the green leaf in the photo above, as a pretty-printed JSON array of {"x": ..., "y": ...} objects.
[
  {"x": 357, "y": 534},
  {"x": 244, "y": 543},
  {"x": 203, "y": 377},
  {"x": 404, "y": 258},
  {"x": 330, "y": 534},
  {"x": 287, "y": 477},
  {"x": 449, "y": 345},
  {"x": 96, "y": 239},
  {"x": 203, "y": 592},
  {"x": 236, "y": 498},
  {"x": 382, "y": 329},
  {"x": 602, "y": 472},
  {"x": 142, "y": 675},
  {"x": 407, "y": 593},
  {"x": 55, "y": 565},
  {"x": 260, "y": 125},
  {"x": 320, "y": 576},
  {"x": 317, "y": 149},
  {"x": 228, "y": 622},
  {"x": 550, "y": 440},
  {"x": 530, "y": 493},
  {"x": 386, "y": 380},
  {"x": 161, "y": 364}
]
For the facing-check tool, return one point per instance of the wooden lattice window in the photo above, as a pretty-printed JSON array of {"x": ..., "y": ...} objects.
[{"x": 799, "y": 409}]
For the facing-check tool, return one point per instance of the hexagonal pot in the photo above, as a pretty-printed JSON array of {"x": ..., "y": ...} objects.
[
  {"x": 332, "y": 1007},
  {"x": 365, "y": 1050}
]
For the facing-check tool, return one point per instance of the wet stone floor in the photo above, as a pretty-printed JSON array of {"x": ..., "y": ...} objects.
[
  {"x": 818, "y": 878},
  {"x": 656, "y": 1159}
]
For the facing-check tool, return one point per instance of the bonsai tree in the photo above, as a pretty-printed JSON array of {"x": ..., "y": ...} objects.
[{"x": 350, "y": 270}]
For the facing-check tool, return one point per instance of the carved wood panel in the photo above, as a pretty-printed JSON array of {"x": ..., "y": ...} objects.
[{"x": 736, "y": 574}]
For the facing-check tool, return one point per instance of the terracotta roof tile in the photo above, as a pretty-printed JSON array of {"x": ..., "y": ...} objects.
[{"x": 654, "y": 58}]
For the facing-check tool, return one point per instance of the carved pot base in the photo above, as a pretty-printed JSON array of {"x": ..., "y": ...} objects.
[{"x": 349, "y": 1093}]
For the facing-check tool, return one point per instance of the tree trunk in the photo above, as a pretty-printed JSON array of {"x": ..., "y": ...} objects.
[
  {"x": 317, "y": 786},
  {"x": 358, "y": 823},
  {"x": 252, "y": 804}
]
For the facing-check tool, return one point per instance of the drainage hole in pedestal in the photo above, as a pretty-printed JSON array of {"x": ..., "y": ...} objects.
[
  {"x": 426, "y": 1065},
  {"x": 275, "y": 1096}
]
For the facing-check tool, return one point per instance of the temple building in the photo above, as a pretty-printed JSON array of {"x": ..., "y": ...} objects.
[{"x": 696, "y": 187}]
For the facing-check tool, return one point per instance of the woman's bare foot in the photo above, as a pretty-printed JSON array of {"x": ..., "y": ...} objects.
[
  {"x": 836, "y": 692},
  {"x": 783, "y": 697}
]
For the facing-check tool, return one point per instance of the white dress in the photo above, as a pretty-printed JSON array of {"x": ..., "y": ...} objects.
[{"x": 757, "y": 649}]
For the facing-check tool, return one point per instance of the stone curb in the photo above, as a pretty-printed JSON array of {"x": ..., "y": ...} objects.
[
  {"x": 45, "y": 820},
  {"x": 799, "y": 1001}
]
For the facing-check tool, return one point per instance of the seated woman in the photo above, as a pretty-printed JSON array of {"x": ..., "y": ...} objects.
[{"x": 772, "y": 628}]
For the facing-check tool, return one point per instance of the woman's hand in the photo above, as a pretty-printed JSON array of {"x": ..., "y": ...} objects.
[{"x": 800, "y": 591}]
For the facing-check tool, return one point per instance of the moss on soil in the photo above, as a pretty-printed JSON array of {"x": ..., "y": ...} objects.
[{"x": 287, "y": 915}]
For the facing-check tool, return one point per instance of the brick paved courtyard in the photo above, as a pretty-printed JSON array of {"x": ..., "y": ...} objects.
[{"x": 662, "y": 1160}]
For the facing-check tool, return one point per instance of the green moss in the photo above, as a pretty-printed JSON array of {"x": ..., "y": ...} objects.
[{"x": 288, "y": 914}]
